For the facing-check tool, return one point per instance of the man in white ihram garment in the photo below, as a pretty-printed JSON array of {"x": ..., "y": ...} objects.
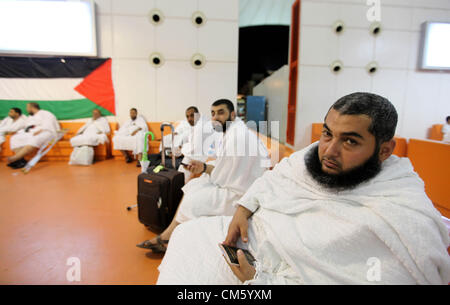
[
  {"x": 446, "y": 130},
  {"x": 240, "y": 159},
  {"x": 42, "y": 127},
  {"x": 182, "y": 132},
  {"x": 189, "y": 137},
  {"x": 199, "y": 146},
  {"x": 93, "y": 133},
  {"x": 14, "y": 122},
  {"x": 341, "y": 211},
  {"x": 130, "y": 136},
  {"x": 189, "y": 141}
]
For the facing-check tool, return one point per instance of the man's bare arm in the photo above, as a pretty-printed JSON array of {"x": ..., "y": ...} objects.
[{"x": 238, "y": 226}]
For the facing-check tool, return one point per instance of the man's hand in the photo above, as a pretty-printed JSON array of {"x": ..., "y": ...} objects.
[
  {"x": 37, "y": 132},
  {"x": 136, "y": 131},
  {"x": 238, "y": 227},
  {"x": 245, "y": 271},
  {"x": 195, "y": 167}
]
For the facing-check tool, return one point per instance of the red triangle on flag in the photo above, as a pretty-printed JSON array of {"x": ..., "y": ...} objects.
[{"x": 98, "y": 87}]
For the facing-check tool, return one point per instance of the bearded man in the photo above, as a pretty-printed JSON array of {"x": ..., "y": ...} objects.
[
  {"x": 241, "y": 158},
  {"x": 341, "y": 211}
]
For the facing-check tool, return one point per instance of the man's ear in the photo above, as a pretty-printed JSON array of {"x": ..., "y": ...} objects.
[
  {"x": 233, "y": 115},
  {"x": 386, "y": 149}
]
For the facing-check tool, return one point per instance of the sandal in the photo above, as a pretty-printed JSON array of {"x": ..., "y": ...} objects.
[{"x": 159, "y": 247}]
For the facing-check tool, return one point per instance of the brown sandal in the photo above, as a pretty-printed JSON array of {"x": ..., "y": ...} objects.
[{"x": 159, "y": 247}]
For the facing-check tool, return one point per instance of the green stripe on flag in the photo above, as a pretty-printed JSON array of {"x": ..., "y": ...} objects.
[{"x": 63, "y": 110}]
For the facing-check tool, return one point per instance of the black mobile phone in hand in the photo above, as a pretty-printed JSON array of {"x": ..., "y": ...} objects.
[{"x": 230, "y": 254}]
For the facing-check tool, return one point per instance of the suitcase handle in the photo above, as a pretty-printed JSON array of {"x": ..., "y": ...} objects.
[{"x": 163, "y": 151}]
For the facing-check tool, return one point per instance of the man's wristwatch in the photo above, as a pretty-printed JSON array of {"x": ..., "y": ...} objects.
[{"x": 204, "y": 167}]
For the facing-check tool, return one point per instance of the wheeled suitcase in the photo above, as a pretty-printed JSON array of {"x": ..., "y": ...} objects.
[{"x": 159, "y": 194}]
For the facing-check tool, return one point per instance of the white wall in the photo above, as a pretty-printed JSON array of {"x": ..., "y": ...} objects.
[
  {"x": 126, "y": 35},
  {"x": 276, "y": 89},
  {"x": 421, "y": 98}
]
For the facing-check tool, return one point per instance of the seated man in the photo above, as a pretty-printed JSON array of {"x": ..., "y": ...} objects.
[
  {"x": 93, "y": 133},
  {"x": 42, "y": 127},
  {"x": 187, "y": 141},
  {"x": 130, "y": 137},
  {"x": 446, "y": 130},
  {"x": 14, "y": 122},
  {"x": 241, "y": 158},
  {"x": 341, "y": 211},
  {"x": 199, "y": 134}
]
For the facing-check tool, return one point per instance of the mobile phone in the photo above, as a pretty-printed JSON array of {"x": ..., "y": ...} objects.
[
  {"x": 230, "y": 254},
  {"x": 184, "y": 164}
]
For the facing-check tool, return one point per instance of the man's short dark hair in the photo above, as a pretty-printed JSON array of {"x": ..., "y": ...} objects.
[
  {"x": 448, "y": 118},
  {"x": 229, "y": 104},
  {"x": 133, "y": 109},
  {"x": 379, "y": 109},
  {"x": 35, "y": 105},
  {"x": 98, "y": 110},
  {"x": 192, "y": 108},
  {"x": 17, "y": 110}
]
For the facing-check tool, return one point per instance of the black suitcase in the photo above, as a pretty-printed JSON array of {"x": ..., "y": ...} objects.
[
  {"x": 159, "y": 194},
  {"x": 155, "y": 159}
]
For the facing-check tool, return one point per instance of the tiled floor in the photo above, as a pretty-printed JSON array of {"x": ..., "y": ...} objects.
[{"x": 59, "y": 211}]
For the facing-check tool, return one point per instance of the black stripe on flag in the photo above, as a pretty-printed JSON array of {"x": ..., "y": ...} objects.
[{"x": 48, "y": 67}]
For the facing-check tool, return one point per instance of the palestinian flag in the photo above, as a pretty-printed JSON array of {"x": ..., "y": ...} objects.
[{"x": 68, "y": 87}]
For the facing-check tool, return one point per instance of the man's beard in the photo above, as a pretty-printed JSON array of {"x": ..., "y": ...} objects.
[
  {"x": 221, "y": 127},
  {"x": 344, "y": 181}
]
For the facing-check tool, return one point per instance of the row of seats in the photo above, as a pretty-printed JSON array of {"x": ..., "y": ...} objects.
[
  {"x": 435, "y": 132},
  {"x": 430, "y": 161},
  {"x": 62, "y": 150}
]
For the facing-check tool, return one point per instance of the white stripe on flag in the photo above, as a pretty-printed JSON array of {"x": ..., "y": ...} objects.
[{"x": 40, "y": 89}]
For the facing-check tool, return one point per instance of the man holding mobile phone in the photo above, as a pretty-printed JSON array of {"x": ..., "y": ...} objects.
[{"x": 340, "y": 211}]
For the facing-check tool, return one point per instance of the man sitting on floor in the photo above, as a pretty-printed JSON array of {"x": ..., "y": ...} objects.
[
  {"x": 241, "y": 159},
  {"x": 42, "y": 127},
  {"x": 93, "y": 133},
  {"x": 341, "y": 211},
  {"x": 14, "y": 122},
  {"x": 130, "y": 137}
]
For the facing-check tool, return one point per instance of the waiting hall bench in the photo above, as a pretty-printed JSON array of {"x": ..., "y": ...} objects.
[
  {"x": 431, "y": 161},
  {"x": 62, "y": 150},
  {"x": 435, "y": 132}
]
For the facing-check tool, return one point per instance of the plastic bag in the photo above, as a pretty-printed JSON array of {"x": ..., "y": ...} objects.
[{"x": 82, "y": 155}]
